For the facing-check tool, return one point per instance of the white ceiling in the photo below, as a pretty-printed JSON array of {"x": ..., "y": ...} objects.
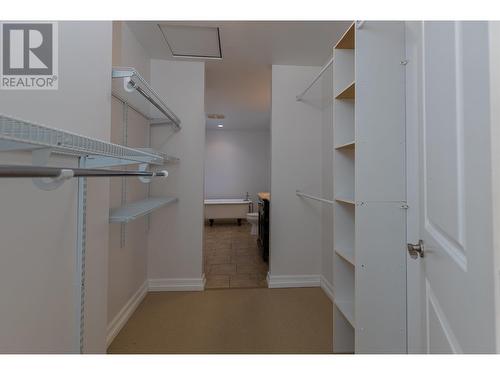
[{"x": 239, "y": 85}]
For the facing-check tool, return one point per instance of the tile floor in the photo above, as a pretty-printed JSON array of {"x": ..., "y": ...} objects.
[{"x": 232, "y": 258}]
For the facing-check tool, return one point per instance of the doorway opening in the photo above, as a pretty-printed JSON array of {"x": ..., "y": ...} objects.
[{"x": 237, "y": 174}]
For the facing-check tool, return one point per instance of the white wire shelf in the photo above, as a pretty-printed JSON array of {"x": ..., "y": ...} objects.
[
  {"x": 167, "y": 159},
  {"x": 16, "y": 134},
  {"x": 347, "y": 309},
  {"x": 158, "y": 113},
  {"x": 135, "y": 210}
]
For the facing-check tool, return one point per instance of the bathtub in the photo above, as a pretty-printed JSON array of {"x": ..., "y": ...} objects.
[{"x": 226, "y": 209}]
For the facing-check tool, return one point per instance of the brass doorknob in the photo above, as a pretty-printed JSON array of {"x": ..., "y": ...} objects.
[{"x": 416, "y": 250}]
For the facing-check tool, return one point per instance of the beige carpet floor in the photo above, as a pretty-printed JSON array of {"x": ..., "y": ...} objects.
[{"x": 295, "y": 320}]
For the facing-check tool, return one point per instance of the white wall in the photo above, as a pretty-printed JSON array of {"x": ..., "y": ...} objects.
[
  {"x": 236, "y": 162},
  {"x": 127, "y": 264},
  {"x": 175, "y": 238},
  {"x": 494, "y": 36},
  {"x": 296, "y": 133},
  {"x": 38, "y": 228}
]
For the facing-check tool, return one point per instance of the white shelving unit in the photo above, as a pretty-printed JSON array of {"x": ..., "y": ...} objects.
[
  {"x": 20, "y": 135},
  {"x": 16, "y": 134},
  {"x": 369, "y": 189},
  {"x": 135, "y": 210},
  {"x": 135, "y": 93},
  {"x": 132, "y": 89},
  {"x": 343, "y": 189},
  {"x": 167, "y": 159}
]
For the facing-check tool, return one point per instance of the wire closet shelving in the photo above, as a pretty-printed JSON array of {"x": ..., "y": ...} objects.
[{"x": 158, "y": 114}]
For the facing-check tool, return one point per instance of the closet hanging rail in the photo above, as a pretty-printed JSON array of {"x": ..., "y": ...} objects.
[
  {"x": 134, "y": 108},
  {"x": 304, "y": 195},
  {"x": 23, "y": 171},
  {"x": 134, "y": 81},
  {"x": 301, "y": 95}
]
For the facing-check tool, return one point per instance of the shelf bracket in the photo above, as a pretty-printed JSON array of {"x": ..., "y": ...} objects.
[
  {"x": 129, "y": 85},
  {"x": 142, "y": 168},
  {"x": 146, "y": 180},
  {"x": 40, "y": 157}
]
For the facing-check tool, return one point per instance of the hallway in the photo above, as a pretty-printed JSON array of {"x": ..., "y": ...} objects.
[{"x": 292, "y": 320}]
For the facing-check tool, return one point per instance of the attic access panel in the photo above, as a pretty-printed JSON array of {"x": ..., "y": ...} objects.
[{"x": 192, "y": 41}]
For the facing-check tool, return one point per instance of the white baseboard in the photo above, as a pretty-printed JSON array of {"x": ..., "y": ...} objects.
[
  {"x": 327, "y": 287},
  {"x": 154, "y": 285},
  {"x": 170, "y": 285},
  {"x": 125, "y": 313},
  {"x": 293, "y": 281}
]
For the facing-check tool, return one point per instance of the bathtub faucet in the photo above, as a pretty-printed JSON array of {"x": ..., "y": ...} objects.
[{"x": 250, "y": 206}]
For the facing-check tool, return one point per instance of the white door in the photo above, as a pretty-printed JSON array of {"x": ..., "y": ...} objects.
[{"x": 450, "y": 289}]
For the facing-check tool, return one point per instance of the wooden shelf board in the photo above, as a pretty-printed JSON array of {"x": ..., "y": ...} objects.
[
  {"x": 347, "y": 255},
  {"x": 347, "y": 41},
  {"x": 347, "y": 309},
  {"x": 348, "y": 93},
  {"x": 345, "y": 200},
  {"x": 346, "y": 146}
]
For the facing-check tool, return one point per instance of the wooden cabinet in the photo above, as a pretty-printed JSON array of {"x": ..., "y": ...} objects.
[{"x": 263, "y": 236}]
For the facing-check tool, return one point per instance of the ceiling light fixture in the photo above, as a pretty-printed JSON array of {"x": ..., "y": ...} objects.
[{"x": 220, "y": 126}]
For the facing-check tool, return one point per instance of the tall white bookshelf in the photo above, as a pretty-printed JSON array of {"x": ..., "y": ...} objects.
[
  {"x": 369, "y": 227},
  {"x": 344, "y": 215}
]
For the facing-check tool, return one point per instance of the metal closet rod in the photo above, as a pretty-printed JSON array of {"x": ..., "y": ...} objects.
[
  {"x": 14, "y": 171},
  {"x": 172, "y": 117},
  {"x": 301, "y": 95},
  {"x": 118, "y": 97},
  {"x": 152, "y": 120},
  {"x": 301, "y": 194}
]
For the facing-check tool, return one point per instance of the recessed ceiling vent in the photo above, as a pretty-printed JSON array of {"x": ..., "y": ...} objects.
[{"x": 192, "y": 41}]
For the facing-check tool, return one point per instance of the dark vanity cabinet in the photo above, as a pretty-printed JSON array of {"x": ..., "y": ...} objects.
[{"x": 263, "y": 239}]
